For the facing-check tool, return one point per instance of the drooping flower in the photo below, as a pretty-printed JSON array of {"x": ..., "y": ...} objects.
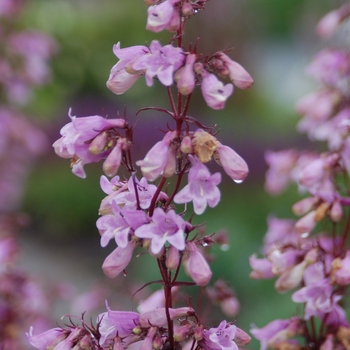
[
  {"x": 201, "y": 188},
  {"x": 122, "y": 75},
  {"x": 196, "y": 265},
  {"x": 160, "y": 16},
  {"x": 156, "y": 159},
  {"x": 118, "y": 260},
  {"x": 238, "y": 75},
  {"x": 77, "y": 136},
  {"x": 186, "y": 77},
  {"x": 164, "y": 227},
  {"x": 215, "y": 93},
  {"x": 234, "y": 165}
]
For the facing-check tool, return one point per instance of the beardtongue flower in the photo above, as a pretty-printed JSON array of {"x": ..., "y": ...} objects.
[
  {"x": 118, "y": 260},
  {"x": 215, "y": 93},
  {"x": 156, "y": 159},
  {"x": 220, "y": 338},
  {"x": 161, "y": 61},
  {"x": 160, "y": 16},
  {"x": 201, "y": 187},
  {"x": 238, "y": 75},
  {"x": 164, "y": 227},
  {"x": 234, "y": 165},
  {"x": 114, "y": 323},
  {"x": 51, "y": 337},
  {"x": 122, "y": 76},
  {"x": 196, "y": 266},
  {"x": 77, "y": 136}
]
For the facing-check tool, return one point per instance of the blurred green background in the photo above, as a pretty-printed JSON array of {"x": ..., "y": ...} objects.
[{"x": 272, "y": 39}]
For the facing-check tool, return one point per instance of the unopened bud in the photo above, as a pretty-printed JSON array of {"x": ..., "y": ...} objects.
[
  {"x": 173, "y": 258},
  {"x": 157, "y": 342},
  {"x": 187, "y": 9},
  {"x": 85, "y": 342},
  {"x": 336, "y": 212},
  {"x": 186, "y": 145},
  {"x": 303, "y": 206},
  {"x": 198, "y": 333},
  {"x": 182, "y": 332},
  {"x": 113, "y": 160},
  {"x": 198, "y": 67},
  {"x": 98, "y": 144},
  {"x": 241, "y": 338},
  {"x": 321, "y": 211}
]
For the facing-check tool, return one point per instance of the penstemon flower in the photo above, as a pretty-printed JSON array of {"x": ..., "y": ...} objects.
[{"x": 152, "y": 217}]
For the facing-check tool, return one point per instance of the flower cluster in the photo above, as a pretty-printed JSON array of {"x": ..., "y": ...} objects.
[
  {"x": 316, "y": 264},
  {"x": 142, "y": 212}
]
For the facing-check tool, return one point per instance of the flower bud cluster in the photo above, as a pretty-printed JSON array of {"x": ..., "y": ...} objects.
[{"x": 311, "y": 254}]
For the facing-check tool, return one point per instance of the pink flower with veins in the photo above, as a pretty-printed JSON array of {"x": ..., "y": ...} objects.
[
  {"x": 201, "y": 187},
  {"x": 160, "y": 16},
  {"x": 164, "y": 227}
]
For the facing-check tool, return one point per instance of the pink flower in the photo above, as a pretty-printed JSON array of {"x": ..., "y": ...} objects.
[
  {"x": 331, "y": 21},
  {"x": 276, "y": 332},
  {"x": 186, "y": 77},
  {"x": 215, "y": 93},
  {"x": 76, "y": 138},
  {"x": 156, "y": 159},
  {"x": 118, "y": 224},
  {"x": 239, "y": 76},
  {"x": 164, "y": 227},
  {"x": 201, "y": 188},
  {"x": 51, "y": 337},
  {"x": 160, "y": 16},
  {"x": 234, "y": 165},
  {"x": 118, "y": 260},
  {"x": 161, "y": 61},
  {"x": 220, "y": 338},
  {"x": 262, "y": 268},
  {"x": 196, "y": 266},
  {"x": 114, "y": 323},
  {"x": 122, "y": 76}
]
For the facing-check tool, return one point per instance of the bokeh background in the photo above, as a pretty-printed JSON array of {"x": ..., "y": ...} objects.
[{"x": 272, "y": 39}]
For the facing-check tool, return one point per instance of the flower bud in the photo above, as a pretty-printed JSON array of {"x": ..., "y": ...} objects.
[
  {"x": 111, "y": 164},
  {"x": 187, "y": 9},
  {"x": 306, "y": 223},
  {"x": 186, "y": 79},
  {"x": 199, "y": 333},
  {"x": 328, "y": 343},
  {"x": 182, "y": 332},
  {"x": 157, "y": 342},
  {"x": 304, "y": 205},
  {"x": 238, "y": 75},
  {"x": 117, "y": 344},
  {"x": 234, "y": 165},
  {"x": 336, "y": 212},
  {"x": 186, "y": 145},
  {"x": 147, "y": 342},
  {"x": 173, "y": 258},
  {"x": 98, "y": 143},
  {"x": 196, "y": 266},
  {"x": 241, "y": 338}
]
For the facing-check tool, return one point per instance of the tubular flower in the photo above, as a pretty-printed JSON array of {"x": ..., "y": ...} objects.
[
  {"x": 201, "y": 188},
  {"x": 164, "y": 227}
]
